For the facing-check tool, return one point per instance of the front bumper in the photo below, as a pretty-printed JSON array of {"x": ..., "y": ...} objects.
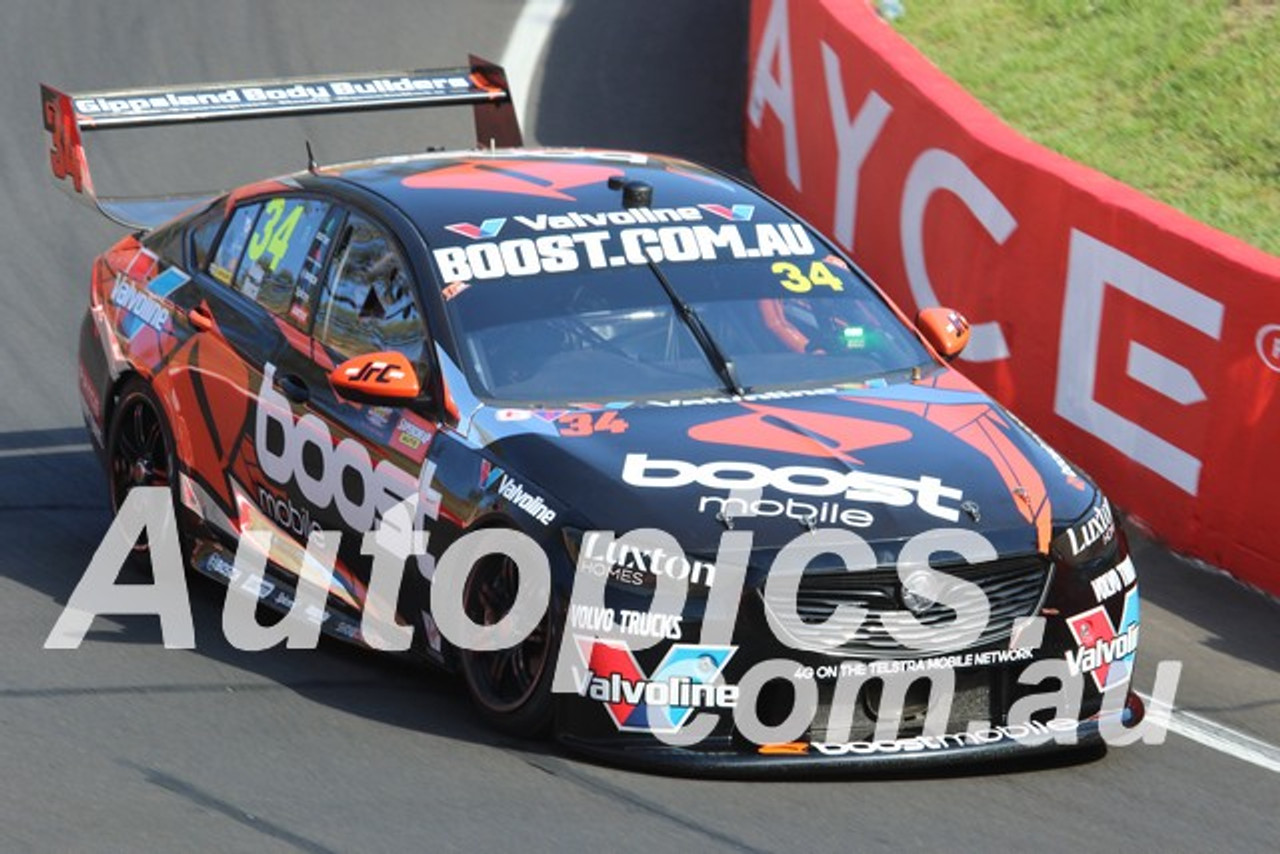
[
  {"x": 1087, "y": 637},
  {"x": 913, "y": 755}
]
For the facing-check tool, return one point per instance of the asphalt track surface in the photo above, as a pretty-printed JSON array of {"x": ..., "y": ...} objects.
[{"x": 123, "y": 745}]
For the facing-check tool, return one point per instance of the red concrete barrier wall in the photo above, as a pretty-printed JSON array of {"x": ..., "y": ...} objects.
[{"x": 1142, "y": 344}]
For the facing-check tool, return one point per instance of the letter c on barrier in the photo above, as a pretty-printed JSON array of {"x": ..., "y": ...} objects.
[{"x": 935, "y": 170}]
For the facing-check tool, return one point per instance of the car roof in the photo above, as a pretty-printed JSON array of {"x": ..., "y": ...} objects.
[{"x": 437, "y": 190}]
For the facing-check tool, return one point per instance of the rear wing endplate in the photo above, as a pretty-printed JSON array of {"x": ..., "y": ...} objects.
[{"x": 67, "y": 117}]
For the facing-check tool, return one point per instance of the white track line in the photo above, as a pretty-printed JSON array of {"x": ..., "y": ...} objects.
[
  {"x": 47, "y": 449},
  {"x": 524, "y": 48},
  {"x": 1221, "y": 738}
]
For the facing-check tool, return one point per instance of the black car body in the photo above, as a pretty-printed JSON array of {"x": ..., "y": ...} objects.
[{"x": 605, "y": 342}]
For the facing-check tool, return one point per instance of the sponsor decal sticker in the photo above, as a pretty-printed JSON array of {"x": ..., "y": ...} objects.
[
  {"x": 927, "y": 493},
  {"x": 203, "y": 100},
  {"x": 602, "y": 249},
  {"x": 1105, "y": 652},
  {"x": 412, "y": 437},
  {"x": 781, "y": 394},
  {"x": 632, "y": 564},
  {"x": 603, "y": 620},
  {"x": 926, "y": 743},
  {"x": 1100, "y": 527},
  {"x": 516, "y": 494},
  {"x": 736, "y": 213},
  {"x": 346, "y": 476},
  {"x": 142, "y": 266},
  {"x": 683, "y": 682},
  {"x": 486, "y": 230},
  {"x": 890, "y": 667},
  {"x": 453, "y": 289},
  {"x": 143, "y": 308},
  {"x": 1114, "y": 580}
]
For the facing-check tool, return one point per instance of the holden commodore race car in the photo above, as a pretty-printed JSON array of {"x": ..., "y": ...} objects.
[{"x": 686, "y": 488}]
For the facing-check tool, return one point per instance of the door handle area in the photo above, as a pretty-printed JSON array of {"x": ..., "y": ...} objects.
[
  {"x": 293, "y": 387},
  {"x": 200, "y": 318}
]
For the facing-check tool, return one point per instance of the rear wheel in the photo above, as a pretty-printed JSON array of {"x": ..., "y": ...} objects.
[
  {"x": 510, "y": 687},
  {"x": 140, "y": 450}
]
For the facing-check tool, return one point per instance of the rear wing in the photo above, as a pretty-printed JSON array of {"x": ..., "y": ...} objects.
[{"x": 68, "y": 117}]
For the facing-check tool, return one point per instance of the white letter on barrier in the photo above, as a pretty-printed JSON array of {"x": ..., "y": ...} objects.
[
  {"x": 776, "y": 92},
  {"x": 853, "y": 142},
  {"x": 1091, "y": 266},
  {"x": 149, "y": 508},
  {"x": 935, "y": 170}
]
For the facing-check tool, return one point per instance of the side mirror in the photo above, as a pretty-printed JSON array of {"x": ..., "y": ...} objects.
[
  {"x": 380, "y": 379},
  {"x": 945, "y": 329}
]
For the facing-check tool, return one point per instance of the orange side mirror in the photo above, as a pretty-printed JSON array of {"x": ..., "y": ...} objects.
[
  {"x": 386, "y": 378},
  {"x": 945, "y": 329}
]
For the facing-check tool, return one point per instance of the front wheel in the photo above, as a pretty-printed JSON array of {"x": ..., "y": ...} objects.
[{"x": 510, "y": 687}]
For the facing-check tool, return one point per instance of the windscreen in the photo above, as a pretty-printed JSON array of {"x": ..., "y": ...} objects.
[{"x": 589, "y": 319}]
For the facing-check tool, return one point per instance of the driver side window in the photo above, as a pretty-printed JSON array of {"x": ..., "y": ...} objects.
[{"x": 368, "y": 304}]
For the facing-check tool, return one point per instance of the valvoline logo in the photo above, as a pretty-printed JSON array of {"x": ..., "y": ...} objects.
[
  {"x": 485, "y": 230},
  {"x": 737, "y": 213},
  {"x": 683, "y": 682},
  {"x": 1106, "y": 652}
]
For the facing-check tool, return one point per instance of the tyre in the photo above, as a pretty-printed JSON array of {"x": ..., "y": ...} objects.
[
  {"x": 140, "y": 452},
  {"x": 510, "y": 687}
]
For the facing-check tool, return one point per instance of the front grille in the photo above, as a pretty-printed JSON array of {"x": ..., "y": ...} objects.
[{"x": 1013, "y": 588}]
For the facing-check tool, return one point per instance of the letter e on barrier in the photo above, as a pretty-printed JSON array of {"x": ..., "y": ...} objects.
[{"x": 1092, "y": 266}]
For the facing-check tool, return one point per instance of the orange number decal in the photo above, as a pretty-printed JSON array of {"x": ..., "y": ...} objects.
[{"x": 587, "y": 423}]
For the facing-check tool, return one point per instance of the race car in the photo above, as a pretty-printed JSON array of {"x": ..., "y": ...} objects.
[{"x": 689, "y": 491}]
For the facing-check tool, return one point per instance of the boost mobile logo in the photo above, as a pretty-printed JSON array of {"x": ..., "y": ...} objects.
[
  {"x": 927, "y": 493},
  {"x": 347, "y": 478}
]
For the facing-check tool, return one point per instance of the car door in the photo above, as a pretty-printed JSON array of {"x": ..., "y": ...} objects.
[
  {"x": 216, "y": 380},
  {"x": 259, "y": 283},
  {"x": 373, "y": 456}
]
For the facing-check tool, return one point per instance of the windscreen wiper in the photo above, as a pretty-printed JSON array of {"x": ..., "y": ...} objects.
[{"x": 722, "y": 365}]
